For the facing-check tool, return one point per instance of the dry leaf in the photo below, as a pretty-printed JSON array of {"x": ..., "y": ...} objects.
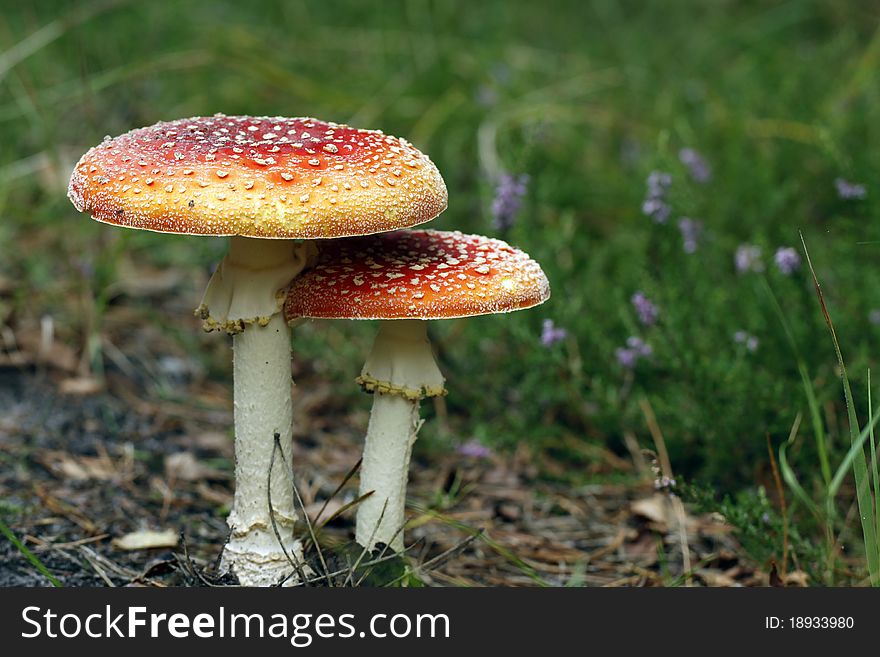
[
  {"x": 653, "y": 508},
  {"x": 85, "y": 385},
  {"x": 86, "y": 468},
  {"x": 797, "y": 578},
  {"x": 716, "y": 578},
  {"x": 147, "y": 540}
]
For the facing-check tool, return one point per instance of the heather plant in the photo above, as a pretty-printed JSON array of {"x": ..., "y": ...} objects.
[
  {"x": 761, "y": 529},
  {"x": 509, "y": 191}
]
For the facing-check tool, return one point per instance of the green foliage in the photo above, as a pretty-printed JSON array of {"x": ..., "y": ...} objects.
[{"x": 759, "y": 527}]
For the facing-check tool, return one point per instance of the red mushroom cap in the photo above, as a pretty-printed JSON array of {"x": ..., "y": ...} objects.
[
  {"x": 258, "y": 177},
  {"x": 416, "y": 274}
]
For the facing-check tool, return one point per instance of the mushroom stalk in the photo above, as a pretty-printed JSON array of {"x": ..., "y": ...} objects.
[
  {"x": 244, "y": 298},
  {"x": 262, "y": 410},
  {"x": 400, "y": 371}
]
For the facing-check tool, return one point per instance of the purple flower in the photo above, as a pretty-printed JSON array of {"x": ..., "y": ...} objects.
[
  {"x": 850, "y": 191},
  {"x": 645, "y": 309},
  {"x": 874, "y": 316},
  {"x": 474, "y": 449},
  {"x": 657, "y": 209},
  {"x": 551, "y": 334},
  {"x": 747, "y": 339},
  {"x": 639, "y": 346},
  {"x": 635, "y": 349},
  {"x": 508, "y": 199},
  {"x": 658, "y": 183},
  {"x": 655, "y": 205},
  {"x": 691, "y": 231},
  {"x": 664, "y": 483},
  {"x": 697, "y": 166},
  {"x": 787, "y": 260},
  {"x": 626, "y": 357},
  {"x": 748, "y": 258}
]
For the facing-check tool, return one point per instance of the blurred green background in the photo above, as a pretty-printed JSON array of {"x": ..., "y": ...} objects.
[{"x": 780, "y": 100}]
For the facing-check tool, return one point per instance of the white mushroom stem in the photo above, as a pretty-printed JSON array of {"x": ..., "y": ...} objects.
[
  {"x": 400, "y": 371},
  {"x": 244, "y": 298}
]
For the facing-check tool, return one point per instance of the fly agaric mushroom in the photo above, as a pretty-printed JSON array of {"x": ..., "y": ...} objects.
[
  {"x": 272, "y": 184},
  {"x": 408, "y": 277}
]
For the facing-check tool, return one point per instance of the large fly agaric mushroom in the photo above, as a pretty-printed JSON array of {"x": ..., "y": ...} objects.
[
  {"x": 408, "y": 277},
  {"x": 272, "y": 184}
]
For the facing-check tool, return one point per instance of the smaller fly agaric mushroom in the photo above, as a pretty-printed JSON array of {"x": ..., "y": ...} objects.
[
  {"x": 407, "y": 276},
  {"x": 272, "y": 184}
]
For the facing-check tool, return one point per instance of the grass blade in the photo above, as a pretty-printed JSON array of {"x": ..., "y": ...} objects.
[
  {"x": 874, "y": 469},
  {"x": 789, "y": 475},
  {"x": 857, "y": 447},
  {"x": 30, "y": 556},
  {"x": 859, "y": 463},
  {"x": 809, "y": 391}
]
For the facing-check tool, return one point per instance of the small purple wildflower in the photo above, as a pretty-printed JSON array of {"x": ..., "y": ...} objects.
[
  {"x": 645, "y": 309},
  {"x": 691, "y": 232},
  {"x": 508, "y": 199},
  {"x": 658, "y": 183},
  {"x": 626, "y": 357},
  {"x": 849, "y": 191},
  {"x": 874, "y": 316},
  {"x": 748, "y": 259},
  {"x": 747, "y": 339},
  {"x": 664, "y": 483},
  {"x": 697, "y": 166},
  {"x": 639, "y": 346},
  {"x": 787, "y": 260},
  {"x": 657, "y": 209},
  {"x": 655, "y": 205},
  {"x": 635, "y": 349},
  {"x": 474, "y": 449},
  {"x": 551, "y": 334}
]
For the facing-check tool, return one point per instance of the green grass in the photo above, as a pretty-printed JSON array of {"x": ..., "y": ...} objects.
[
  {"x": 587, "y": 98},
  {"x": 855, "y": 457},
  {"x": 33, "y": 559}
]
